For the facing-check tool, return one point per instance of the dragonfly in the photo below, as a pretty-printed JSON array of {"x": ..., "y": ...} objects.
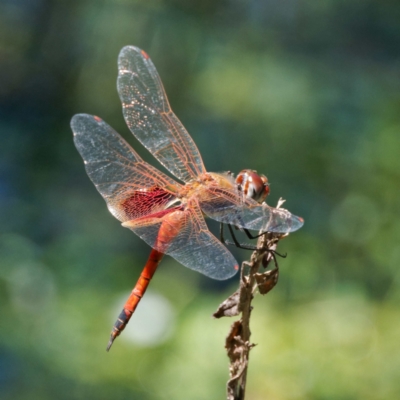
[{"x": 168, "y": 214}]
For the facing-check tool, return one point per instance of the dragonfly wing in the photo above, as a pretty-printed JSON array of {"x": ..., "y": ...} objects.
[
  {"x": 131, "y": 187},
  {"x": 229, "y": 207},
  {"x": 183, "y": 234},
  {"x": 150, "y": 118}
]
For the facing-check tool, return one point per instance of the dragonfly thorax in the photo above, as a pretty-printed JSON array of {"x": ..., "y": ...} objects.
[{"x": 253, "y": 185}]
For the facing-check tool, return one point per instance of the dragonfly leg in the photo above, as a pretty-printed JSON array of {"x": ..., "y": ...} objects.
[
  {"x": 246, "y": 246},
  {"x": 250, "y": 236},
  {"x": 235, "y": 241},
  {"x": 221, "y": 233}
]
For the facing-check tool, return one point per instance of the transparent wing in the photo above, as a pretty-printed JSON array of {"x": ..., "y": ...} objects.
[
  {"x": 131, "y": 187},
  {"x": 183, "y": 234},
  {"x": 150, "y": 118},
  {"x": 228, "y": 206}
]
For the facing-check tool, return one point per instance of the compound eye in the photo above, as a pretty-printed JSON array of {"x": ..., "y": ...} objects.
[
  {"x": 242, "y": 182},
  {"x": 266, "y": 188},
  {"x": 252, "y": 185},
  {"x": 264, "y": 179},
  {"x": 240, "y": 179}
]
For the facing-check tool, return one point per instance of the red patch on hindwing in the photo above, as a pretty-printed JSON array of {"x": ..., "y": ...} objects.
[{"x": 146, "y": 202}]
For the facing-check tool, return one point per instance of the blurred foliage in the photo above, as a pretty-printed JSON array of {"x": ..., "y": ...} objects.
[{"x": 307, "y": 92}]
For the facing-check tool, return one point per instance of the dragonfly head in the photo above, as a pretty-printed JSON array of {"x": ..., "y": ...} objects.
[{"x": 253, "y": 185}]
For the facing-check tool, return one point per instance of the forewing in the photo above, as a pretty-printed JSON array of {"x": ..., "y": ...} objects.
[
  {"x": 150, "y": 118},
  {"x": 131, "y": 187},
  {"x": 228, "y": 206},
  {"x": 183, "y": 234}
]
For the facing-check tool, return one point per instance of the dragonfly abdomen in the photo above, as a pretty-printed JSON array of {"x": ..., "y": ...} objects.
[{"x": 136, "y": 295}]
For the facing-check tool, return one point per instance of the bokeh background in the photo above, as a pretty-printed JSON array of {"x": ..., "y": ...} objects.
[{"x": 307, "y": 92}]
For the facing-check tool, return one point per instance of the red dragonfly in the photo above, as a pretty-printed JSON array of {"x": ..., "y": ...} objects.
[{"x": 167, "y": 215}]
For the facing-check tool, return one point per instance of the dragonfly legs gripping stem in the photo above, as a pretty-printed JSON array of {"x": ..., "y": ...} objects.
[
  {"x": 246, "y": 246},
  {"x": 235, "y": 242}
]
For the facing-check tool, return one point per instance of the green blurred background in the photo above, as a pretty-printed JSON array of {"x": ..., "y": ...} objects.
[{"x": 307, "y": 92}]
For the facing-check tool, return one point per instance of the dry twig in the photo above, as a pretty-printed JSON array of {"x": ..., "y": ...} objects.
[{"x": 238, "y": 343}]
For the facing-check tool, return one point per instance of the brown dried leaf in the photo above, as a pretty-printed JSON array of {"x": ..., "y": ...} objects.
[
  {"x": 233, "y": 341},
  {"x": 267, "y": 280},
  {"x": 229, "y": 307}
]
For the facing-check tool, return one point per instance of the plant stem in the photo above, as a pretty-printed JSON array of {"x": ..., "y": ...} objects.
[{"x": 238, "y": 343}]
